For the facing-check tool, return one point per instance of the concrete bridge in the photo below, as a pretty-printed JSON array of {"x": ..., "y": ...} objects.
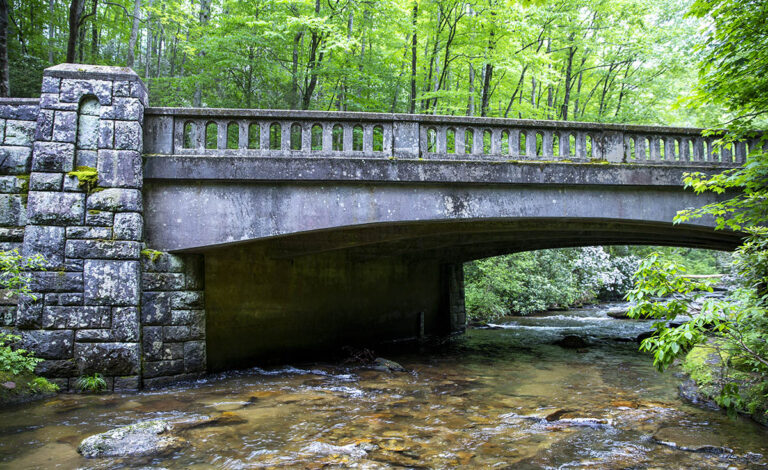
[{"x": 214, "y": 239}]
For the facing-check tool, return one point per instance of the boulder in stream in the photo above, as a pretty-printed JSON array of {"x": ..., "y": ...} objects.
[
  {"x": 385, "y": 365},
  {"x": 572, "y": 342},
  {"x": 145, "y": 438},
  {"x": 688, "y": 440}
]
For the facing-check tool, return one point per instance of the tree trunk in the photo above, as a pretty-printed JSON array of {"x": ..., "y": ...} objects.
[
  {"x": 294, "y": 97},
  {"x": 5, "y": 84},
  {"x": 205, "y": 15},
  {"x": 94, "y": 33},
  {"x": 414, "y": 45},
  {"x": 75, "y": 11},
  {"x": 567, "y": 94},
  {"x": 134, "y": 33},
  {"x": 51, "y": 6},
  {"x": 471, "y": 97}
]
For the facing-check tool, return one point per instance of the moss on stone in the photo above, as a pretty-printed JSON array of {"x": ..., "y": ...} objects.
[
  {"x": 23, "y": 183},
  {"x": 86, "y": 177},
  {"x": 22, "y": 388},
  {"x": 152, "y": 255}
]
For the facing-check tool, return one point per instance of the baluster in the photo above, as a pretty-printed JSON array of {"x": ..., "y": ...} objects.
[
  {"x": 306, "y": 137},
  {"x": 640, "y": 156},
  {"x": 710, "y": 153},
  {"x": 530, "y": 145},
  {"x": 264, "y": 137},
  {"x": 628, "y": 157},
  {"x": 741, "y": 151},
  {"x": 496, "y": 141},
  {"x": 698, "y": 150},
  {"x": 242, "y": 134},
  {"x": 285, "y": 136},
  {"x": 669, "y": 149},
  {"x": 477, "y": 141},
  {"x": 440, "y": 139},
  {"x": 178, "y": 135},
  {"x": 514, "y": 143},
  {"x": 221, "y": 135},
  {"x": 726, "y": 156},
  {"x": 348, "y": 136},
  {"x": 655, "y": 148},
  {"x": 581, "y": 146},
  {"x": 547, "y": 152},
  {"x": 754, "y": 144},
  {"x": 368, "y": 139},
  {"x": 460, "y": 133},
  {"x": 327, "y": 137},
  {"x": 684, "y": 157},
  {"x": 199, "y": 133},
  {"x": 386, "y": 131},
  {"x": 565, "y": 145},
  {"x": 423, "y": 141}
]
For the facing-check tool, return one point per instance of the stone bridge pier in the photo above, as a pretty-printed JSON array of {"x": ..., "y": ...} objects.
[{"x": 181, "y": 241}]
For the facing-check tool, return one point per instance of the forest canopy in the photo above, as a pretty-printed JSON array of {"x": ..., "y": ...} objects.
[{"x": 597, "y": 60}]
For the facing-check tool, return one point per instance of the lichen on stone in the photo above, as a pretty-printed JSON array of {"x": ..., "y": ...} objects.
[
  {"x": 152, "y": 255},
  {"x": 86, "y": 177}
]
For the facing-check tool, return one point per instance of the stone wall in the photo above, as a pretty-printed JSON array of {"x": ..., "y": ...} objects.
[{"x": 71, "y": 183}]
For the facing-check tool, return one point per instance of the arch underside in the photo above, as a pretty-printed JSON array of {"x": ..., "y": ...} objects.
[{"x": 465, "y": 240}]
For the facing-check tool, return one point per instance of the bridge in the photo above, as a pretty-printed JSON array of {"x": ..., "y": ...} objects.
[{"x": 208, "y": 239}]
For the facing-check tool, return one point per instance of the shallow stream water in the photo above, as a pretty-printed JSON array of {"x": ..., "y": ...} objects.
[{"x": 498, "y": 398}]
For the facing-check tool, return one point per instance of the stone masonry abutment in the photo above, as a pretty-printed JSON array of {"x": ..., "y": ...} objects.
[{"x": 179, "y": 241}]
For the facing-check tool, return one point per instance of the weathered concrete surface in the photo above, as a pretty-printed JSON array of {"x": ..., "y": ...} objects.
[
  {"x": 184, "y": 214},
  {"x": 262, "y": 309}
]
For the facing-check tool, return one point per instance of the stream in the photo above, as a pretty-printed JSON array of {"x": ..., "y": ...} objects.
[{"x": 502, "y": 397}]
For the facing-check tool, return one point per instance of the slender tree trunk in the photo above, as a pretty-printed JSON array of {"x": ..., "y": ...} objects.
[
  {"x": 471, "y": 97},
  {"x": 567, "y": 94},
  {"x": 520, "y": 83},
  {"x": 294, "y": 97},
  {"x": 51, "y": 12},
  {"x": 75, "y": 11},
  {"x": 94, "y": 33},
  {"x": 5, "y": 84},
  {"x": 205, "y": 16},
  {"x": 148, "y": 57},
  {"x": 315, "y": 59},
  {"x": 414, "y": 45},
  {"x": 134, "y": 33}
]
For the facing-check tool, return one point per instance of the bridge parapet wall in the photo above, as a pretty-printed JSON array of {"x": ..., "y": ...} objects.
[{"x": 270, "y": 133}]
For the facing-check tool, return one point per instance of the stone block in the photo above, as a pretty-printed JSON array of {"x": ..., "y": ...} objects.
[
  {"x": 45, "y": 181},
  {"x": 121, "y": 88},
  {"x": 56, "y": 208},
  {"x": 102, "y": 249},
  {"x": 116, "y": 199},
  {"x": 47, "y": 241},
  {"x": 71, "y": 184},
  {"x": 8, "y": 315},
  {"x": 161, "y": 262},
  {"x": 13, "y": 212},
  {"x": 75, "y": 265},
  {"x": 110, "y": 282},
  {"x": 56, "y": 281},
  {"x": 163, "y": 368},
  {"x": 129, "y": 226},
  {"x": 106, "y": 134},
  {"x": 64, "y": 126},
  {"x": 152, "y": 342},
  {"x": 51, "y": 84},
  {"x": 29, "y": 314},
  {"x": 65, "y": 299},
  {"x": 53, "y": 157},
  {"x": 19, "y": 132},
  {"x": 15, "y": 160},
  {"x": 138, "y": 90},
  {"x": 187, "y": 300},
  {"x": 86, "y": 232},
  {"x": 95, "y": 336},
  {"x": 155, "y": 308},
  {"x": 127, "y": 384},
  {"x": 96, "y": 218},
  {"x": 49, "y": 344},
  {"x": 125, "y": 323},
  {"x": 194, "y": 356},
  {"x": 89, "y": 158},
  {"x": 15, "y": 234},
  {"x": 87, "y": 132},
  {"x": 120, "y": 168},
  {"x": 173, "y": 351},
  {"x": 12, "y": 184},
  {"x": 44, "y": 127},
  {"x": 125, "y": 109},
  {"x": 57, "y": 368},
  {"x": 59, "y": 317},
  {"x": 186, "y": 317},
  {"x": 51, "y": 101},
  {"x": 162, "y": 281},
  {"x": 128, "y": 135},
  {"x": 72, "y": 90},
  {"x": 177, "y": 333},
  {"x": 114, "y": 359}
]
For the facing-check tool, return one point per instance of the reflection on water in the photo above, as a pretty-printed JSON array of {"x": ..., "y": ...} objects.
[{"x": 498, "y": 398}]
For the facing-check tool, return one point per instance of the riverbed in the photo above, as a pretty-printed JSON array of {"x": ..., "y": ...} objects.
[{"x": 503, "y": 397}]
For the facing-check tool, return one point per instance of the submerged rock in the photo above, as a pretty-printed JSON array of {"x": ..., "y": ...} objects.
[
  {"x": 572, "y": 342},
  {"x": 146, "y": 438},
  {"x": 355, "y": 451},
  {"x": 684, "y": 439},
  {"x": 226, "y": 418},
  {"x": 689, "y": 391},
  {"x": 385, "y": 365},
  {"x": 618, "y": 313}
]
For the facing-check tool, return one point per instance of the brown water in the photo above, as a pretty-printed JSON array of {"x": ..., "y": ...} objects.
[{"x": 481, "y": 402}]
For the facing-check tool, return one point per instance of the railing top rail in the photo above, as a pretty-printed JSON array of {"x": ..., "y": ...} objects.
[
  {"x": 19, "y": 101},
  {"x": 232, "y": 113}
]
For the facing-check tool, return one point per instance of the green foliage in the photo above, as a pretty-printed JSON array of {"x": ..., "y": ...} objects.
[
  {"x": 534, "y": 281},
  {"x": 91, "y": 383},
  {"x": 12, "y": 277},
  {"x": 15, "y": 360},
  {"x": 42, "y": 385}
]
